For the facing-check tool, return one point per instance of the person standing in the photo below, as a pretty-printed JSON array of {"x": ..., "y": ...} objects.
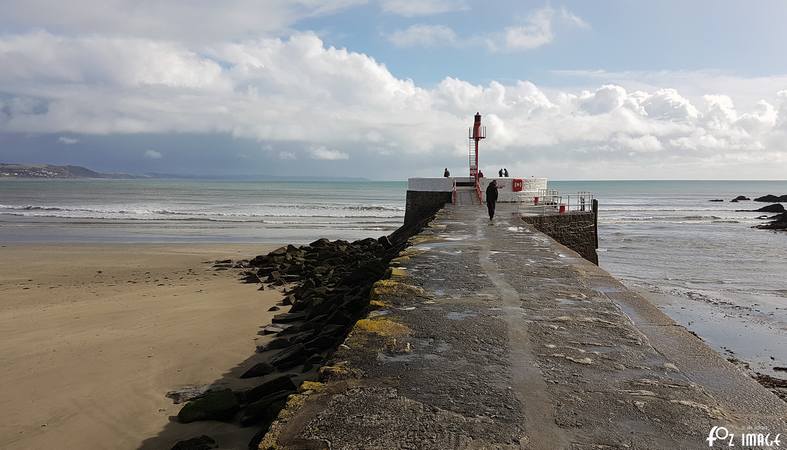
[
  {"x": 500, "y": 173},
  {"x": 491, "y": 198},
  {"x": 505, "y": 172},
  {"x": 446, "y": 173}
]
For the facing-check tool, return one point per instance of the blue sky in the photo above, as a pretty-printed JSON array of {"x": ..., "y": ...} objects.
[
  {"x": 734, "y": 36},
  {"x": 386, "y": 88}
]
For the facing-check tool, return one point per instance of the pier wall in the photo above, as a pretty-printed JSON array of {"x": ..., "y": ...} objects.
[
  {"x": 423, "y": 204},
  {"x": 576, "y": 230},
  {"x": 494, "y": 337}
]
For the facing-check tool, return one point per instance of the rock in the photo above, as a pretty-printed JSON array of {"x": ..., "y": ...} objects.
[
  {"x": 716, "y": 200},
  {"x": 275, "y": 344},
  {"x": 187, "y": 393},
  {"x": 778, "y": 222},
  {"x": 272, "y": 329},
  {"x": 265, "y": 409},
  {"x": 198, "y": 443},
  {"x": 214, "y": 405},
  {"x": 740, "y": 198},
  {"x": 275, "y": 384},
  {"x": 259, "y": 370},
  {"x": 273, "y": 308},
  {"x": 320, "y": 343},
  {"x": 320, "y": 243},
  {"x": 775, "y": 208},
  {"x": 290, "y": 357},
  {"x": 384, "y": 241},
  {"x": 250, "y": 277},
  {"x": 289, "y": 317},
  {"x": 770, "y": 198},
  {"x": 281, "y": 251}
]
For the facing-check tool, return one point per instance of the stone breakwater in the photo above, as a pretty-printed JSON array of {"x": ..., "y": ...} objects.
[
  {"x": 326, "y": 286},
  {"x": 496, "y": 336}
]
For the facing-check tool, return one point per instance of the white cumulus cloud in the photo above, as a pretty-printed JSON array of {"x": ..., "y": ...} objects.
[
  {"x": 67, "y": 140},
  {"x": 423, "y": 36},
  {"x": 302, "y": 94},
  {"x": 412, "y": 8},
  {"x": 153, "y": 154},
  {"x": 321, "y": 152}
]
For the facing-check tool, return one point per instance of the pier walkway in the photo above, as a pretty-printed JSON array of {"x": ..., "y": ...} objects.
[{"x": 495, "y": 336}]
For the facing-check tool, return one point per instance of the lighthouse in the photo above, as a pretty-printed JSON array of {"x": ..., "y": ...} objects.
[{"x": 475, "y": 134}]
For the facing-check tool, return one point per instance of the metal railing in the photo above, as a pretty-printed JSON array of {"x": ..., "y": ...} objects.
[{"x": 550, "y": 201}]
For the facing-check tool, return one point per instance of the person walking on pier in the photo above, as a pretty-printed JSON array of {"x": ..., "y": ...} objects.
[{"x": 491, "y": 198}]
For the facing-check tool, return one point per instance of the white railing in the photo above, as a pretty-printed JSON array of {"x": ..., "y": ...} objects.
[{"x": 550, "y": 201}]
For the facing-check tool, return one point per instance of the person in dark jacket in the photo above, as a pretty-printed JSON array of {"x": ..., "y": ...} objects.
[
  {"x": 500, "y": 173},
  {"x": 446, "y": 173},
  {"x": 491, "y": 198},
  {"x": 505, "y": 172}
]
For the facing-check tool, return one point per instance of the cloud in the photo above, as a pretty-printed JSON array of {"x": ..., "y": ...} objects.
[
  {"x": 170, "y": 20},
  {"x": 152, "y": 154},
  {"x": 423, "y": 36},
  {"x": 67, "y": 140},
  {"x": 412, "y": 8},
  {"x": 298, "y": 93},
  {"x": 321, "y": 152},
  {"x": 537, "y": 30},
  {"x": 287, "y": 156}
]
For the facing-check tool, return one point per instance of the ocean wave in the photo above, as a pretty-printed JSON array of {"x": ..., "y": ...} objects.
[
  {"x": 206, "y": 218},
  {"x": 272, "y": 211}
]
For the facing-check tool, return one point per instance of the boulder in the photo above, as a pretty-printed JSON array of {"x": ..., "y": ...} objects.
[
  {"x": 272, "y": 329},
  {"x": 275, "y": 344},
  {"x": 275, "y": 384},
  {"x": 187, "y": 393},
  {"x": 265, "y": 409},
  {"x": 281, "y": 251},
  {"x": 290, "y": 357},
  {"x": 214, "y": 405},
  {"x": 775, "y": 208},
  {"x": 198, "y": 443},
  {"x": 740, "y": 198},
  {"x": 289, "y": 317},
  {"x": 259, "y": 370},
  {"x": 250, "y": 277},
  {"x": 778, "y": 222}
]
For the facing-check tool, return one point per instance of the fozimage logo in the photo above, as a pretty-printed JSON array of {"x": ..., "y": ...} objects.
[{"x": 728, "y": 439}]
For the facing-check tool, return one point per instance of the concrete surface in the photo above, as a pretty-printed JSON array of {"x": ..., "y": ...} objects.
[{"x": 493, "y": 335}]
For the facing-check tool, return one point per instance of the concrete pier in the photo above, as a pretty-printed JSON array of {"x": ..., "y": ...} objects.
[{"x": 493, "y": 335}]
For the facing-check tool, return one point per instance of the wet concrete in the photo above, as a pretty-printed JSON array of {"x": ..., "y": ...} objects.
[{"x": 492, "y": 335}]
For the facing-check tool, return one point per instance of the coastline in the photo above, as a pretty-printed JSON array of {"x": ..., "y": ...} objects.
[
  {"x": 745, "y": 335},
  {"x": 93, "y": 336}
]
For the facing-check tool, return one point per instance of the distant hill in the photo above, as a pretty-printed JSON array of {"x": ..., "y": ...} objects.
[{"x": 50, "y": 171}]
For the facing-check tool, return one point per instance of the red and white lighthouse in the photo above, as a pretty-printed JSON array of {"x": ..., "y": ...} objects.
[{"x": 475, "y": 134}]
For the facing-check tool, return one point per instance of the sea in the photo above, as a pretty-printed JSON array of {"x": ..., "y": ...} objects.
[{"x": 700, "y": 261}]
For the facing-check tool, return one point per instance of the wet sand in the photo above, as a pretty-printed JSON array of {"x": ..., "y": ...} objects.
[
  {"x": 750, "y": 333},
  {"x": 93, "y": 336}
]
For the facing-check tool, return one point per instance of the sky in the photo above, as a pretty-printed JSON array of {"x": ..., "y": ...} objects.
[{"x": 386, "y": 89}]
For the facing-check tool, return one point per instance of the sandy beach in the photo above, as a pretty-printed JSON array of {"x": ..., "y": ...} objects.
[{"x": 93, "y": 336}]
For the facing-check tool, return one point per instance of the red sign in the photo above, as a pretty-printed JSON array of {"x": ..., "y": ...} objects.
[{"x": 516, "y": 184}]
